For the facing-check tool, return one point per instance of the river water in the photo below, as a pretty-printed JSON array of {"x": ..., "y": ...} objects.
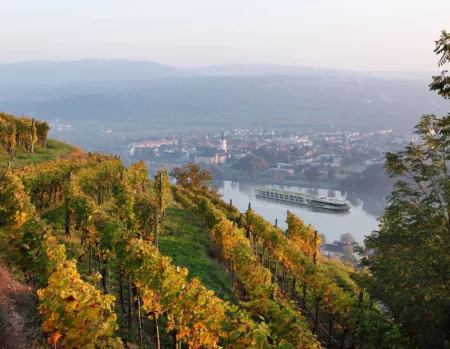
[{"x": 359, "y": 221}]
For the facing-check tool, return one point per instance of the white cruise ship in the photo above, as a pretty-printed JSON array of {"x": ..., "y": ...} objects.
[{"x": 304, "y": 199}]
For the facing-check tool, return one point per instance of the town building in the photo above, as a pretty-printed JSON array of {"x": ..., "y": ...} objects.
[
  {"x": 150, "y": 144},
  {"x": 206, "y": 159},
  {"x": 223, "y": 144}
]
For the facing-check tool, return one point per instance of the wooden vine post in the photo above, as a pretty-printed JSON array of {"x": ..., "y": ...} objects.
[
  {"x": 315, "y": 248},
  {"x": 343, "y": 337},
  {"x": 163, "y": 211},
  {"x": 156, "y": 330},
  {"x": 316, "y": 320},
  {"x": 329, "y": 332},
  {"x": 122, "y": 304},
  {"x": 276, "y": 271},
  {"x": 130, "y": 306},
  {"x": 155, "y": 229},
  {"x": 141, "y": 338},
  {"x": 67, "y": 223},
  {"x": 293, "y": 287},
  {"x": 32, "y": 135}
]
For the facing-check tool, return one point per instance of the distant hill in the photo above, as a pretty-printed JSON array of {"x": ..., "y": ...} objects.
[
  {"x": 295, "y": 70},
  {"x": 50, "y": 72},
  {"x": 265, "y": 70},
  {"x": 100, "y": 70}
]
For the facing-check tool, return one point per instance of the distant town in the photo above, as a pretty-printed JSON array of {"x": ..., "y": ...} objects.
[{"x": 260, "y": 154}]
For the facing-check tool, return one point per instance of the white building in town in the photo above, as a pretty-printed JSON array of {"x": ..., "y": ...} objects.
[{"x": 223, "y": 144}]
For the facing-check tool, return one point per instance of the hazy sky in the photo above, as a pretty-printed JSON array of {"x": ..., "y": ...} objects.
[{"x": 348, "y": 34}]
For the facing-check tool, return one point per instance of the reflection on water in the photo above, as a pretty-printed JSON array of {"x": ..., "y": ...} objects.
[
  {"x": 353, "y": 199},
  {"x": 359, "y": 221}
]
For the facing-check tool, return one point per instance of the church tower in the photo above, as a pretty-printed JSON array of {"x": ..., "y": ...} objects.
[{"x": 223, "y": 143}]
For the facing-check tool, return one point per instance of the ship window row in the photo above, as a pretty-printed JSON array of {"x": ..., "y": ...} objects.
[
  {"x": 287, "y": 197},
  {"x": 294, "y": 198}
]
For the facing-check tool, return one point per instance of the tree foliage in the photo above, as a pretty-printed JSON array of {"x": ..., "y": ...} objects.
[
  {"x": 347, "y": 238},
  {"x": 408, "y": 256},
  {"x": 251, "y": 164},
  {"x": 193, "y": 177},
  {"x": 410, "y": 251},
  {"x": 441, "y": 83}
]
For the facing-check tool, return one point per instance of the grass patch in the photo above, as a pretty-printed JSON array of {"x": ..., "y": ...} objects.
[
  {"x": 22, "y": 158},
  {"x": 185, "y": 239}
]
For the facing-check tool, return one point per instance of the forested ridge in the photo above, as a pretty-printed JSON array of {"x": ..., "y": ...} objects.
[{"x": 83, "y": 235}]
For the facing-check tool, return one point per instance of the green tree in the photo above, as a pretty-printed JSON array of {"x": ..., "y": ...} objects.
[
  {"x": 348, "y": 255},
  {"x": 408, "y": 257},
  {"x": 270, "y": 156},
  {"x": 193, "y": 177},
  {"x": 441, "y": 83},
  {"x": 251, "y": 164},
  {"x": 347, "y": 238}
]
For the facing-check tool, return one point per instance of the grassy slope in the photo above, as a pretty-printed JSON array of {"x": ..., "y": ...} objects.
[
  {"x": 23, "y": 158},
  {"x": 185, "y": 239}
]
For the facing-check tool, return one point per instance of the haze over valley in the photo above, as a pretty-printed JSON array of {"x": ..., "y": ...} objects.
[{"x": 148, "y": 99}]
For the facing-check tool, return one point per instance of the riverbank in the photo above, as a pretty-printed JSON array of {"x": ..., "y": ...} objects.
[{"x": 331, "y": 185}]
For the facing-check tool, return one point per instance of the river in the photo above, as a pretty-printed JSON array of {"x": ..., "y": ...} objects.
[{"x": 359, "y": 221}]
